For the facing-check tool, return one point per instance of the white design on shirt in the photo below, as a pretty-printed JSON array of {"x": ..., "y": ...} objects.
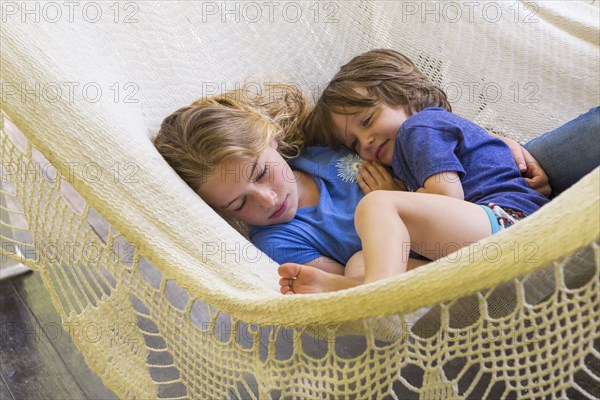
[{"x": 347, "y": 167}]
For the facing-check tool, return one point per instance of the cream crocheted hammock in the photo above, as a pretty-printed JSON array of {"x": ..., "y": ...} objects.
[{"x": 166, "y": 300}]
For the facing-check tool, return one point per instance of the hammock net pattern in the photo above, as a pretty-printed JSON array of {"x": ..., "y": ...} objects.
[{"x": 165, "y": 300}]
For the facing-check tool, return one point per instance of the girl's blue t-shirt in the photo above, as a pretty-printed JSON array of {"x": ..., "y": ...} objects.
[
  {"x": 434, "y": 141},
  {"x": 323, "y": 230}
]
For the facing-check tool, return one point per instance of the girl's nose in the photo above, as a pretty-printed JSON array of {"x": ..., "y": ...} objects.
[{"x": 266, "y": 197}]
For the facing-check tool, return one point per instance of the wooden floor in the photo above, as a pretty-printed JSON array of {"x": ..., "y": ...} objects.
[{"x": 38, "y": 359}]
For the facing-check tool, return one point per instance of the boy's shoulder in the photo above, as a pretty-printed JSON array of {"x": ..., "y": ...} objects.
[
  {"x": 431, "y": 115},
  {"x": 441, "y": 119}
]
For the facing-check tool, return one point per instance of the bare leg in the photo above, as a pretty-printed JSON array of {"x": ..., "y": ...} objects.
[
  {"x": 390, "y": 224},
  {"x": 296, "y": 278},
  {"x": 355, "y": 267}
]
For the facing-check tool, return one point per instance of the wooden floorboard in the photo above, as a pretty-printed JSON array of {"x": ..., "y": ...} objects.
[
  {"x": 5, "y": 393},
  {"x": 30, "y": 366},
  {"x": 30, "y": 291},
  {"x": 33, "y": 293}
]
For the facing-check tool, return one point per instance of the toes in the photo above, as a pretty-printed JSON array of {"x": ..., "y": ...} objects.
[
  {"x": 289, "y": 270},
  {"x": 285, "y": 282},
  {"x": 286, "y": 286}
]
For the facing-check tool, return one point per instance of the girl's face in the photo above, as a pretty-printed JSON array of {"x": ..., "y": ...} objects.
[
  {"x": 259, "y": 192},
  {"x": 371, "y": 132}
]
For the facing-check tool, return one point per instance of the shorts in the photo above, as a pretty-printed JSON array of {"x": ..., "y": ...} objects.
[{"x": 502, "y": 218}]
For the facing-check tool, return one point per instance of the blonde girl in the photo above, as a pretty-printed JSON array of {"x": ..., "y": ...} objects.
[{"x": 241, "y": 153}]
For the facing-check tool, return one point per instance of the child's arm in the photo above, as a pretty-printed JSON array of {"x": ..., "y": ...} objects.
[
  {"x": 534, "y": 175},
  {"x": 445, "y": 183},
  {"x": 373, "y": 176}
]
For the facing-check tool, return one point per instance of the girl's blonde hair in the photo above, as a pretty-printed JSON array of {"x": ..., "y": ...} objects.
[
  {"x": 195, "y": 139},
  {"x": 385, "y": 76}
]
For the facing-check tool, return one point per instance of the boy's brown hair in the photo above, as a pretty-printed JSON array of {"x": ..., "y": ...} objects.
[{"x": 382, "y": 76}]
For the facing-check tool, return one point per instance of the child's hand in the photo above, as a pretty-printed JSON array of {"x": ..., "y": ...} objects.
[
  {"x": 517, "y": 152},
  {"x": 534, "y": 175},
  {"x": 373, "y": 176}
]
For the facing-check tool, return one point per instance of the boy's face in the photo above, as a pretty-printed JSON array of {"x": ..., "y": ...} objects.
[
  {"x": 259, "y": 192},
  {"x": 371, "y": 132}
]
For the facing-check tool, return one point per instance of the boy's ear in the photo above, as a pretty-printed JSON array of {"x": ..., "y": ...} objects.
[{"x": 274, "y": 144}]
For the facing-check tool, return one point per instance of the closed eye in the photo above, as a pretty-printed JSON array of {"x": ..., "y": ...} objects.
[
  {"x": 241, "y": 205},
  {"x": 354, "y": 145},
  {"x": 263, "y": 173},
  {"x": 367, "y": 120},
  {"x": 258, "y": 178}
]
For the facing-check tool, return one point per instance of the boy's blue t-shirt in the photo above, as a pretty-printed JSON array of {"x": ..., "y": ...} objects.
[
  {"x": 434, "y": 140},
  {"x": 323, "y": 230}
]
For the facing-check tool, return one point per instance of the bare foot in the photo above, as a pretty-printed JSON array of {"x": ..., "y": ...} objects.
[{"x": 298, "y": 278}]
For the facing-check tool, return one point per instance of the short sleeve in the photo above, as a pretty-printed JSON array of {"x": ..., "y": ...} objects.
[
  {"x": 425, "y": 151},
  {"x": 285, "y": 246}
]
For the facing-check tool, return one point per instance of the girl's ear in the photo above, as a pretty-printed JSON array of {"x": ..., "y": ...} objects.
[{"x": 274, "y": 144}]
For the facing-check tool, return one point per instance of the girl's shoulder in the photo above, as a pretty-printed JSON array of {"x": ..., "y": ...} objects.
[
  {"x": 334, "y": 171},
  {"x": 320, "y": 161},
  {"x": 324, "y": 153}
]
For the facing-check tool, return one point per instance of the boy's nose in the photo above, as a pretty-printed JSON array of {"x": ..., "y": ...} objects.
[{"x": 365, "y": 141}]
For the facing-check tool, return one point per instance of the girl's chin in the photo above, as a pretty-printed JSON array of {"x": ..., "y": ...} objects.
[{"x": 285, "y": 218}]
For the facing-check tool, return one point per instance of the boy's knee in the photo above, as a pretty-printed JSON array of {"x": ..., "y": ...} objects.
[{"x": 374, "y": 201}]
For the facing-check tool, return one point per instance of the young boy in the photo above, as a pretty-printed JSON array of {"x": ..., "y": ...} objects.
[{"x": 466, "y": 182}]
